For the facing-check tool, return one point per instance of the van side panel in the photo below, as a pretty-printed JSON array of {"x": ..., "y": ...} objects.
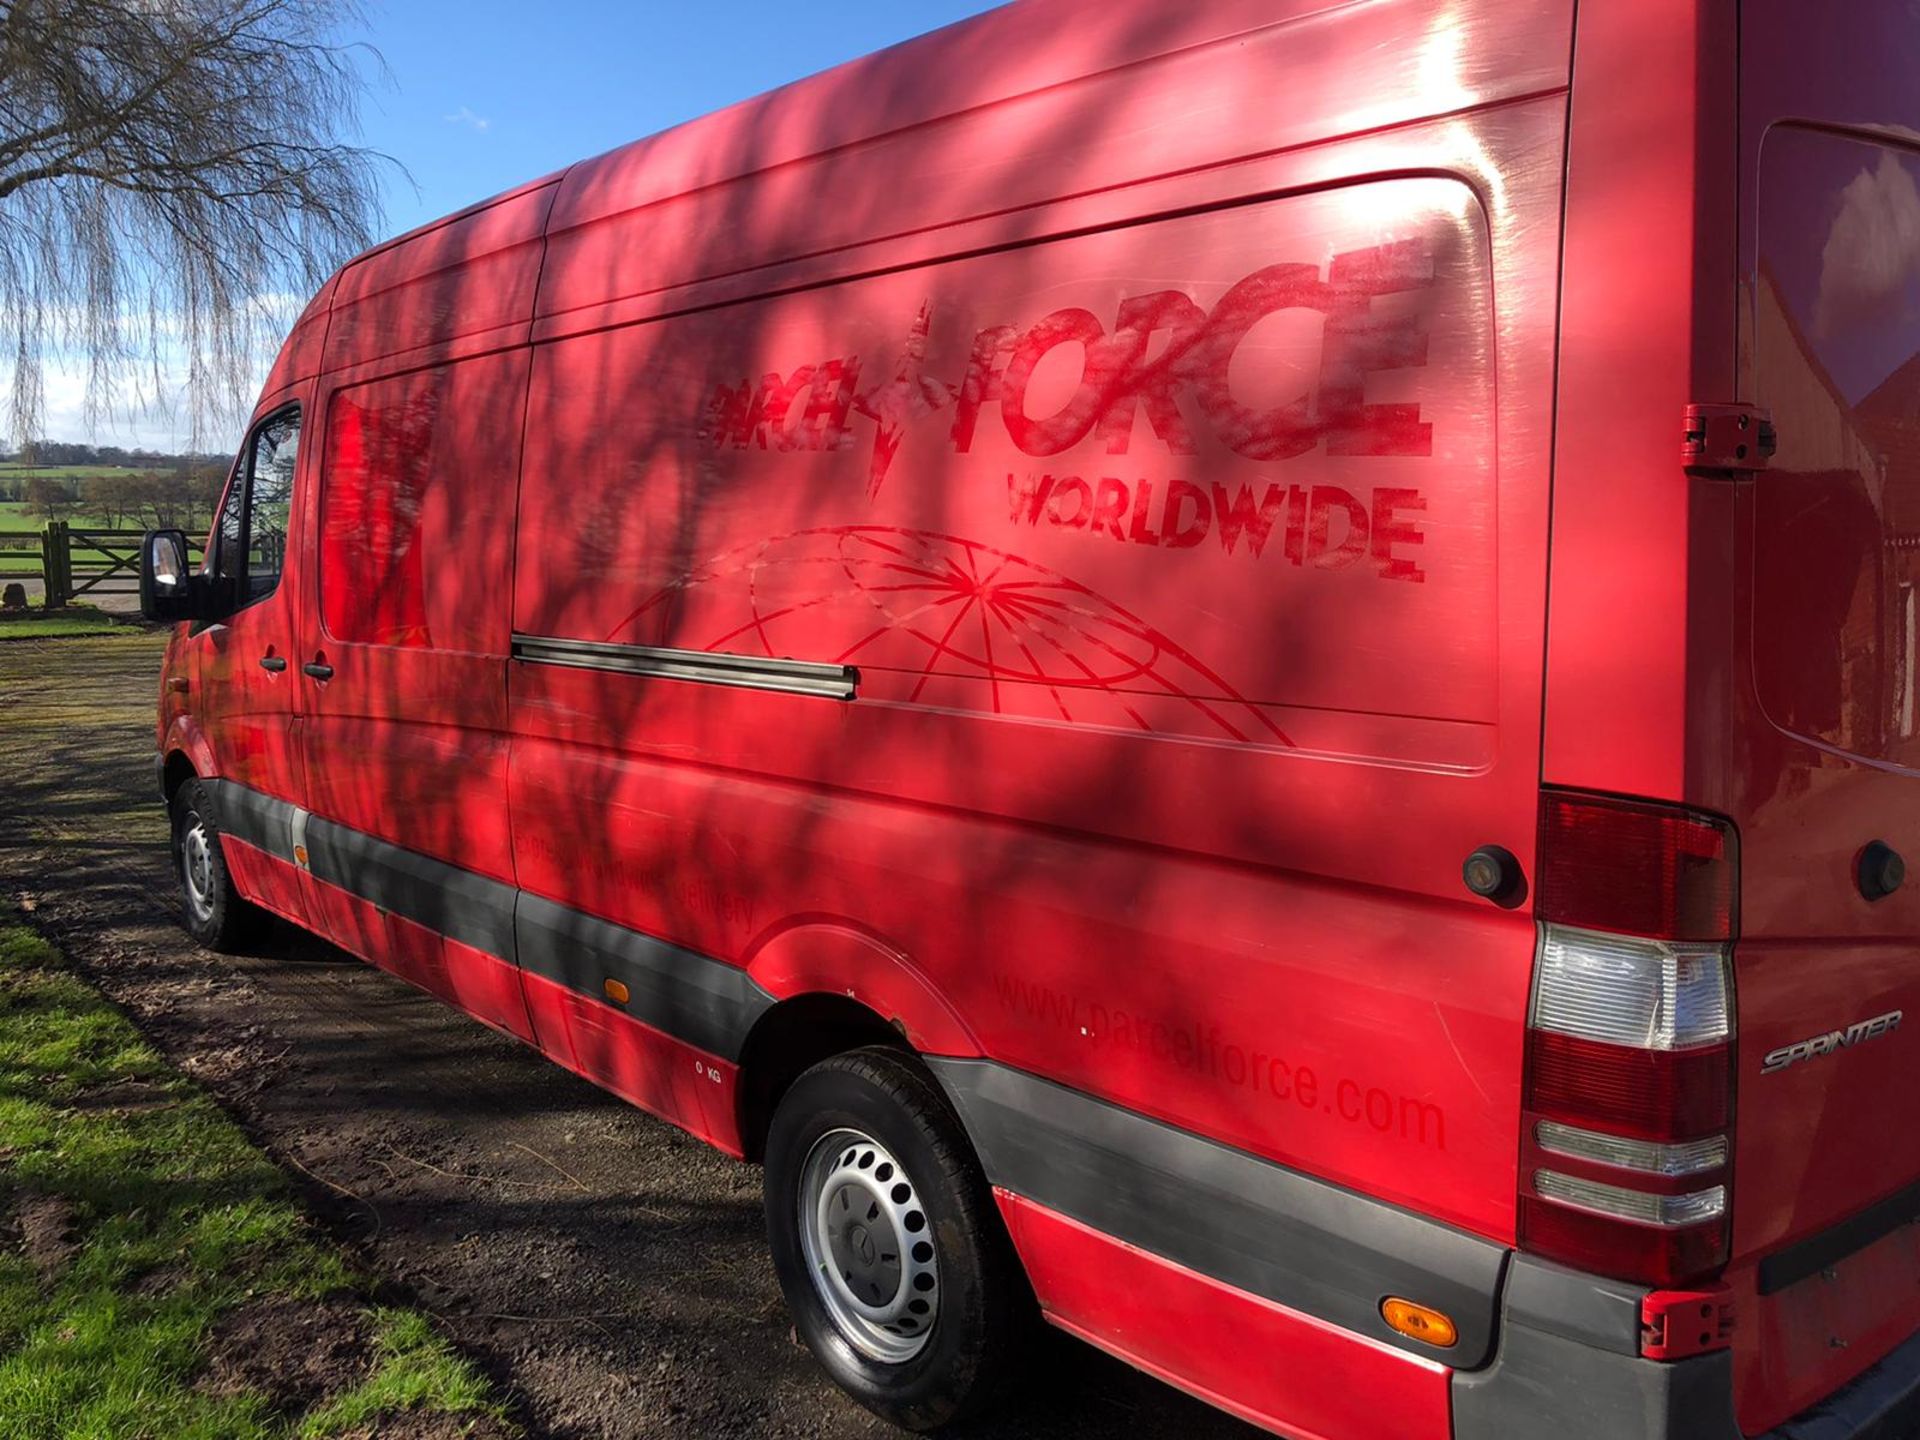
[
  {"x": 1019, "y": 107},
  {"x": 1181, "y": 546},
  {"x": 463, "y": 286},
  {"x": 418, "y": 428},
  {"x": 1043, "y": 532},
  {"x": 1119, "y": 464},
  {"x": 1260, "y": 1361},
  {"x": 697, "y": 1090},
  {"x": 264, "y": 879},
  {"x": 405, "y": 742},
  {"x": 687, "y": 532},
  {"x": 303, "y": 354},
  {"x": 1639, "y": 616}
]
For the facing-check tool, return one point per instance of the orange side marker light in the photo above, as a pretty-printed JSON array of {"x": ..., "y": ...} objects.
[
  {"x": 1419, "y": 1322},
  {"x": 616, "y": 992}
]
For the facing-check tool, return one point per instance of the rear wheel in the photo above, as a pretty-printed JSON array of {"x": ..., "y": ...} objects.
[
  {"x": 211, "y": 909},
  {"x": 898, "y": 1271}
]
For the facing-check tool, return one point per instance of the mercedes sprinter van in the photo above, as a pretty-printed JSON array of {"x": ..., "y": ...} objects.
[{"x": 1240, "y": 674}]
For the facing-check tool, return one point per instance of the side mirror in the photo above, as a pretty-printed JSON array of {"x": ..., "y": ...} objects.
[{"x": 169, "y": 590}]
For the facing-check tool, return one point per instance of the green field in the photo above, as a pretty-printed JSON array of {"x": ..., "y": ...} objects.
[
  {"x": 18, "y": 557},
  {"x": 20, "y": 552},
  {"x": 66, "y": 472},
  {"x": 23, "y": 557},
  {"x": 15, "y": 516}
]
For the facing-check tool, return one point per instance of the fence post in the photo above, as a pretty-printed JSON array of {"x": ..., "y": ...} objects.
[{"x": 56, "y": 564}]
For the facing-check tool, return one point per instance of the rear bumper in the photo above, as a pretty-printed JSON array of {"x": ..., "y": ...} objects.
[
  {"x": 1883, "y": 1404},
  {"x": 1568, "y": 1366}
]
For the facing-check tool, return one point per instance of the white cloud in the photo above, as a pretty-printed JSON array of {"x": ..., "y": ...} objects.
[
  {"x": 465, "y": 116},
  {"x": 145, "y": 414},
  {"x": 1873, "y": 249},
  {"x": 147, "y": 421},
  {"x": 150, "y": 408}
]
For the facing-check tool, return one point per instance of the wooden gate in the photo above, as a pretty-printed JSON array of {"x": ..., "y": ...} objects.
[{"x": 71, "y": 563}]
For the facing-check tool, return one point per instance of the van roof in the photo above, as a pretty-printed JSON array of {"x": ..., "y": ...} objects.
[{"x": 1018, "y": 49}]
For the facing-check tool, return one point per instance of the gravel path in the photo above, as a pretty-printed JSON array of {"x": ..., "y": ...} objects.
[{"x": 610, "y": 1272}]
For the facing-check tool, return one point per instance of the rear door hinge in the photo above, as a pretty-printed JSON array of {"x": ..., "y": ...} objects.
[
  {"x": 1727, "y": 440},
  {"x": 1677, "y": 1324}
]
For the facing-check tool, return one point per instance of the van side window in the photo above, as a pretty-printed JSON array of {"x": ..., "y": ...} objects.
[
  {"x": 378, "y": 473},
  {"x": 250, "y": 540},
  {"x": 416, "y": 507},
  {"x": 1837, "y": 361},
  {"x": 226, "y": 560}
]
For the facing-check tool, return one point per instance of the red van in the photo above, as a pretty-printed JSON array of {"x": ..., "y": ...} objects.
[{"x": 1241, "y": 674}]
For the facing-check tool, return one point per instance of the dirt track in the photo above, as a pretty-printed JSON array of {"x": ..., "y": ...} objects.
[{"x": 610, "y": 1272}]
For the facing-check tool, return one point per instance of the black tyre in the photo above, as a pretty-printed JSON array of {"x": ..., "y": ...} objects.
[
  {"x": 211, "y": 909},
  {"x": 898, "y": 1271}
]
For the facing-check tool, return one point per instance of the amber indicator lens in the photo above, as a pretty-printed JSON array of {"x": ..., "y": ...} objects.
[
  {"x": 616, "y": 992},
  {"x": 1419, "y": 1322}
]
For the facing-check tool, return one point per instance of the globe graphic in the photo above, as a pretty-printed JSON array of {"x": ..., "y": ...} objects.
[{"x": 938, "y": 606}]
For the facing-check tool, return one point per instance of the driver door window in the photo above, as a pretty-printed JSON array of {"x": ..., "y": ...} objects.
[{"x": 250, "y": 539}]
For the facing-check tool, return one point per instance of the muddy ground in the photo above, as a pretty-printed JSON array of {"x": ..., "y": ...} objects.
[{"x": 610, "y": 1272}]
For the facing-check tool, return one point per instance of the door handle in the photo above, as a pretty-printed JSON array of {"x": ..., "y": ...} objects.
[
  {"x": 318, "y": 669},
  {"x": 274, "y": 663}
]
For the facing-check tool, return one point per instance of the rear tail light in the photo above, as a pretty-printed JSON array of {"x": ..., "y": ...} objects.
[
  {"x": 1638, "y": 868},
  {"x": 1629, "y": 1089},
  {"x": 1643, "y": 1155},
  {"x": 1636, "y": 1205},
  {"x": 1648, "y": 994}
]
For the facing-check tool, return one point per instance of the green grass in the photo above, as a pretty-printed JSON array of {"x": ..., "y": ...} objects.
[
  {"x": 175, "y": 1220},
  {"x": 66, "y": 472},
  {"x": 14, "y": 515},
  {"x": 75, "y": 620},
  {"x": 418, "y": 1370}
]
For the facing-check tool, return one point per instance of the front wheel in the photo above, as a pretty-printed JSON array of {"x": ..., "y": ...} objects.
[
  {"x": 898, "y": 1271},
  {"x": 211, "y": 909}
]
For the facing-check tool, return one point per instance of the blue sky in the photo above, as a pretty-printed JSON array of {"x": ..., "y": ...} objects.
[
  {"x": 479, "y": 95},
  {"x": 485, "y": 94}
]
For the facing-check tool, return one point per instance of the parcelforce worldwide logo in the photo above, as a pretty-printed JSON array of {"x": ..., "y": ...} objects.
[
  {"x": 1160, "y": 357},
  {"x": 1832, "y": 1041}
]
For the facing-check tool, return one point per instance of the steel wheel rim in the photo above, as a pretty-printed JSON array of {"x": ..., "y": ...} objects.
[
  {"x": 868, "y": 1244},
  {"x": 196, "y": 867}
]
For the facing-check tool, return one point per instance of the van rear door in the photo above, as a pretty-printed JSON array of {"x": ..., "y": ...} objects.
[{"x": 1827, "y": 758}]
